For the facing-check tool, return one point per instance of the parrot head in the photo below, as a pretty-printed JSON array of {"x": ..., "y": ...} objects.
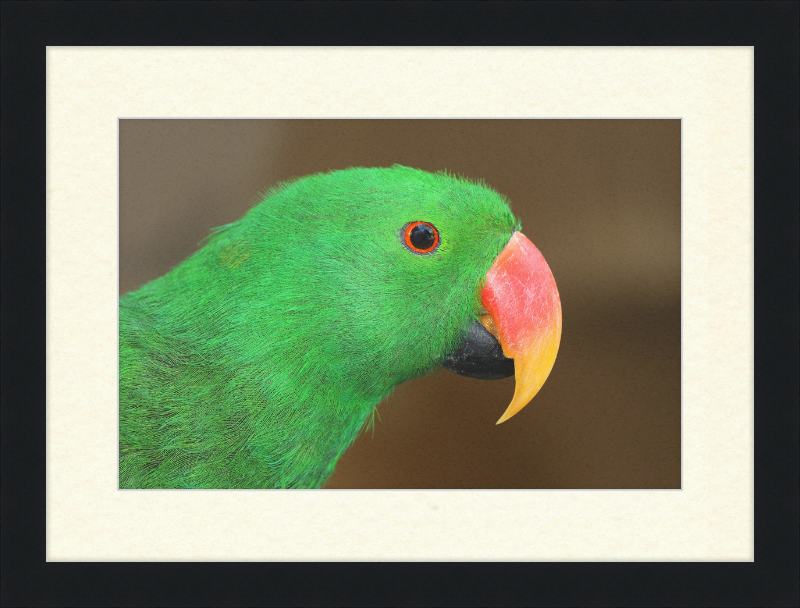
[{"x": 365, "y": 278}]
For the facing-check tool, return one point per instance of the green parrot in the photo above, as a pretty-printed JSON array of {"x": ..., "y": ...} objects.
[{"x": 256, "y": 361}]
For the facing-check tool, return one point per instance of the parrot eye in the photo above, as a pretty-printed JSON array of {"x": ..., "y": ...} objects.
[{"x": 420, "y": 237}]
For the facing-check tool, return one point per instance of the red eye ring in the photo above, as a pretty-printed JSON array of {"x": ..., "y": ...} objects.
[{"x": 425, "y": 237}]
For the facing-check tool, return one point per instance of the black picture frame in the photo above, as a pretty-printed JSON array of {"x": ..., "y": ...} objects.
[{"x": 29, "y": 27}]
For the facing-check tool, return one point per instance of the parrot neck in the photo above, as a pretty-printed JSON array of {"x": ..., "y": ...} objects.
[{"x": 238, "y": 409}]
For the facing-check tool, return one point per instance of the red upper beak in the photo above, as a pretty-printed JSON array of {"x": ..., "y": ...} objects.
[{"x": 524, "y": 309}]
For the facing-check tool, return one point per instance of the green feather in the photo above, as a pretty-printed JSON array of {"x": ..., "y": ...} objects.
[{"x": 255, "y": 362}]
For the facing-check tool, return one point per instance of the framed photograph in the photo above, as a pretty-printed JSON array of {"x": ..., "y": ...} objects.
[{"x": 659, "y": 183}]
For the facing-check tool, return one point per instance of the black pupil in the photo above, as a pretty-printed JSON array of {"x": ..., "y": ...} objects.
[{"x": 422, "y": 236}]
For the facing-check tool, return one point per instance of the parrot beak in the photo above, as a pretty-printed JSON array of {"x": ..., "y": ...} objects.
[{"x": 524, "y": 314}]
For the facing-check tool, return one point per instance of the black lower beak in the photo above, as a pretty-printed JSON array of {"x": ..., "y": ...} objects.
[{"x": 479, "y": 356}]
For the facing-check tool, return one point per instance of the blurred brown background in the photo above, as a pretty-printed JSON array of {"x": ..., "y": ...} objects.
[{"x": 599, "y": 198}]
